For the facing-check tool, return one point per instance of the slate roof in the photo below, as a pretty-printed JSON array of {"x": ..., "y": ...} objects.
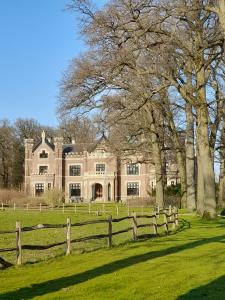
[
  {"x": 76, "y": 148},
  {"x": 51, "y": 145}
]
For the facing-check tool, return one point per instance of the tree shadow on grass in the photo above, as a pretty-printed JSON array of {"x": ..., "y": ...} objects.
[
  {"x": 210, "y": 291},
  {"x": 54, "y": 285}
]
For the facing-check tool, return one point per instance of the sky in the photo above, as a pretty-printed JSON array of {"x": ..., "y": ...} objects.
[{"x": 38, "y": 39}]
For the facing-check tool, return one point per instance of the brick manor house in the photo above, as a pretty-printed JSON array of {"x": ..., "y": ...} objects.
[{"x": 87, "y": 172}]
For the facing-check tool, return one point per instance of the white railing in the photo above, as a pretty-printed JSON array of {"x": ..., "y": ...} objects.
[{"x": 99, "y": 173}]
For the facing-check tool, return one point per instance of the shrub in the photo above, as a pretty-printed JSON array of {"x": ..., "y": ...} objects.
[
  {"x": 222, "y": 212},
  {"x": 9, "y": 196},
  {"x": 173, "y": 190},
  {"x": 54, "y": 197}
]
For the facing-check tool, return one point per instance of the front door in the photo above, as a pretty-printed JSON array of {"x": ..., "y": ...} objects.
[{"x": 97, "y": 191}]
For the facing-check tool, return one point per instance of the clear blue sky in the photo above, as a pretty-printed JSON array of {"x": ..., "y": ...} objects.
[{"x": 38, "y": 38}]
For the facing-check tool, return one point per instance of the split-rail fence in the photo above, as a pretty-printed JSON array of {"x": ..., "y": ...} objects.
[{"x": 170, "y": 222}]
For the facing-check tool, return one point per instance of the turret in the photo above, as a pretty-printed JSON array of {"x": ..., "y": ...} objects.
[
  {"x": 58, "y": 142},
  {"x": 29, "y": 144}
]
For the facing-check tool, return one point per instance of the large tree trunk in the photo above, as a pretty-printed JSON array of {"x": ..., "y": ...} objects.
[
  {"x": 203, "y": 143},
  {"x": 206, "y": 163},
  {"x": 221, "y": 196},
  {"x": 200, "y": 187},
  {"x": 221, "y": 14},
  {"x": 156, "y": 153},
  {"x": 190, "y": 158}
]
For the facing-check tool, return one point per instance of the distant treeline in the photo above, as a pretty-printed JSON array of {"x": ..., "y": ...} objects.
[{"x": 12, "y": 144}]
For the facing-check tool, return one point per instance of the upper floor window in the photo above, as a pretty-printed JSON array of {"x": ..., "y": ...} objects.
[
  {"x": 75, "y": 170},
  {"x": 100, "y": 168},
  {"x": 43, "y": 154},
  {"x": 43, "y": 169},
  {"x": 132, "y": 189},
  {"x": 132, "y": 169}
]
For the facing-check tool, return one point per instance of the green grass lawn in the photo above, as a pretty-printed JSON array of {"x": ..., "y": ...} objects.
[{"x": 187, "y": 265}]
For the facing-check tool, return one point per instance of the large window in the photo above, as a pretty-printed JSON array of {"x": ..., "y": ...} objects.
[
  {"x": 43, "y": 169},
  {"x": 75, "y": 190},
  {"x": 75, "y": 170},
  {"x": 100, "y": 168},
  {"x": 132, "y": 169},
  {"x": 43, "y": 154},
  {"x": 132, "y": 189},
  {"x": 39, "y": 189}
]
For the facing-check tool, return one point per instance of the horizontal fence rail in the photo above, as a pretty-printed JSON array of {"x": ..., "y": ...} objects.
[
  {"x": 97, "y": 208},
  {"x": 168, "y": 218}
]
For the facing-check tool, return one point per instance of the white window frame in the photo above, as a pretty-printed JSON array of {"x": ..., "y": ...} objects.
[
  {"x": 43, "y": 165},
  {"x": 133, "y": 181},
  {"x": 139, "y": 169},
  {"x": 100, "y": 163},
  {"x": 75, "y": 164},
  {"x": 77, "y": 182}
]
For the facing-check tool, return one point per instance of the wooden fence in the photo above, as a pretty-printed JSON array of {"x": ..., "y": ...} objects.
[
  {"x": 170, "y": 218},
  {"x": 96, "y": 208}
]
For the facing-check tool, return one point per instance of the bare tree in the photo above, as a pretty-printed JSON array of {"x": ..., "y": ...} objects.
[{"x": 140, "y": 48}]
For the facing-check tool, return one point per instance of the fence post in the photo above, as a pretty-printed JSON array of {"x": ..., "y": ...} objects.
[
  {"x": 63, "y": 207},
  {"x": 40, "y": 207},
  {"x": 18, "y": 244},
  {"x": 128, "y": 209},
  {"x": 2, "y": 206},
  {"x": 158, "y": 211},
  {"x": 117, "y": 210},
  {"x": 170, "y": 212},
  {"x": 155, "y": 228},
  {"x": 103, "y": 207},
  {"x": 110, "y": 232},
  {"x": 166, "y": 222},
  {"x": 27, "y": 206},
  {"x": 142, "y": 210},
  {"x": 14, "y": 206},
  {"x": 174, "y": 220},
  {"x": 134, "y": 226},
  {"x": 75, "y": 207},
  {"x": 68, "y": 236},
  {"x": 176, "y": 217},
  {"x": 52, "y": 206},
  {"x": 89, "y": 208}
]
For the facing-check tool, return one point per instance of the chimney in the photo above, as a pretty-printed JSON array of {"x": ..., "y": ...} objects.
[{"x": 43, "y": 137}]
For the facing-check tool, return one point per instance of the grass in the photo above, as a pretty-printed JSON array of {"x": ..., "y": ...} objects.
[{"x": 187, "y": 265}]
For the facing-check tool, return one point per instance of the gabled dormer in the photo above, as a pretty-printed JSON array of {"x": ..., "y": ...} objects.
[
  {"x": 102, "y": 145},
  {"x": 43, "y": 156}
]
